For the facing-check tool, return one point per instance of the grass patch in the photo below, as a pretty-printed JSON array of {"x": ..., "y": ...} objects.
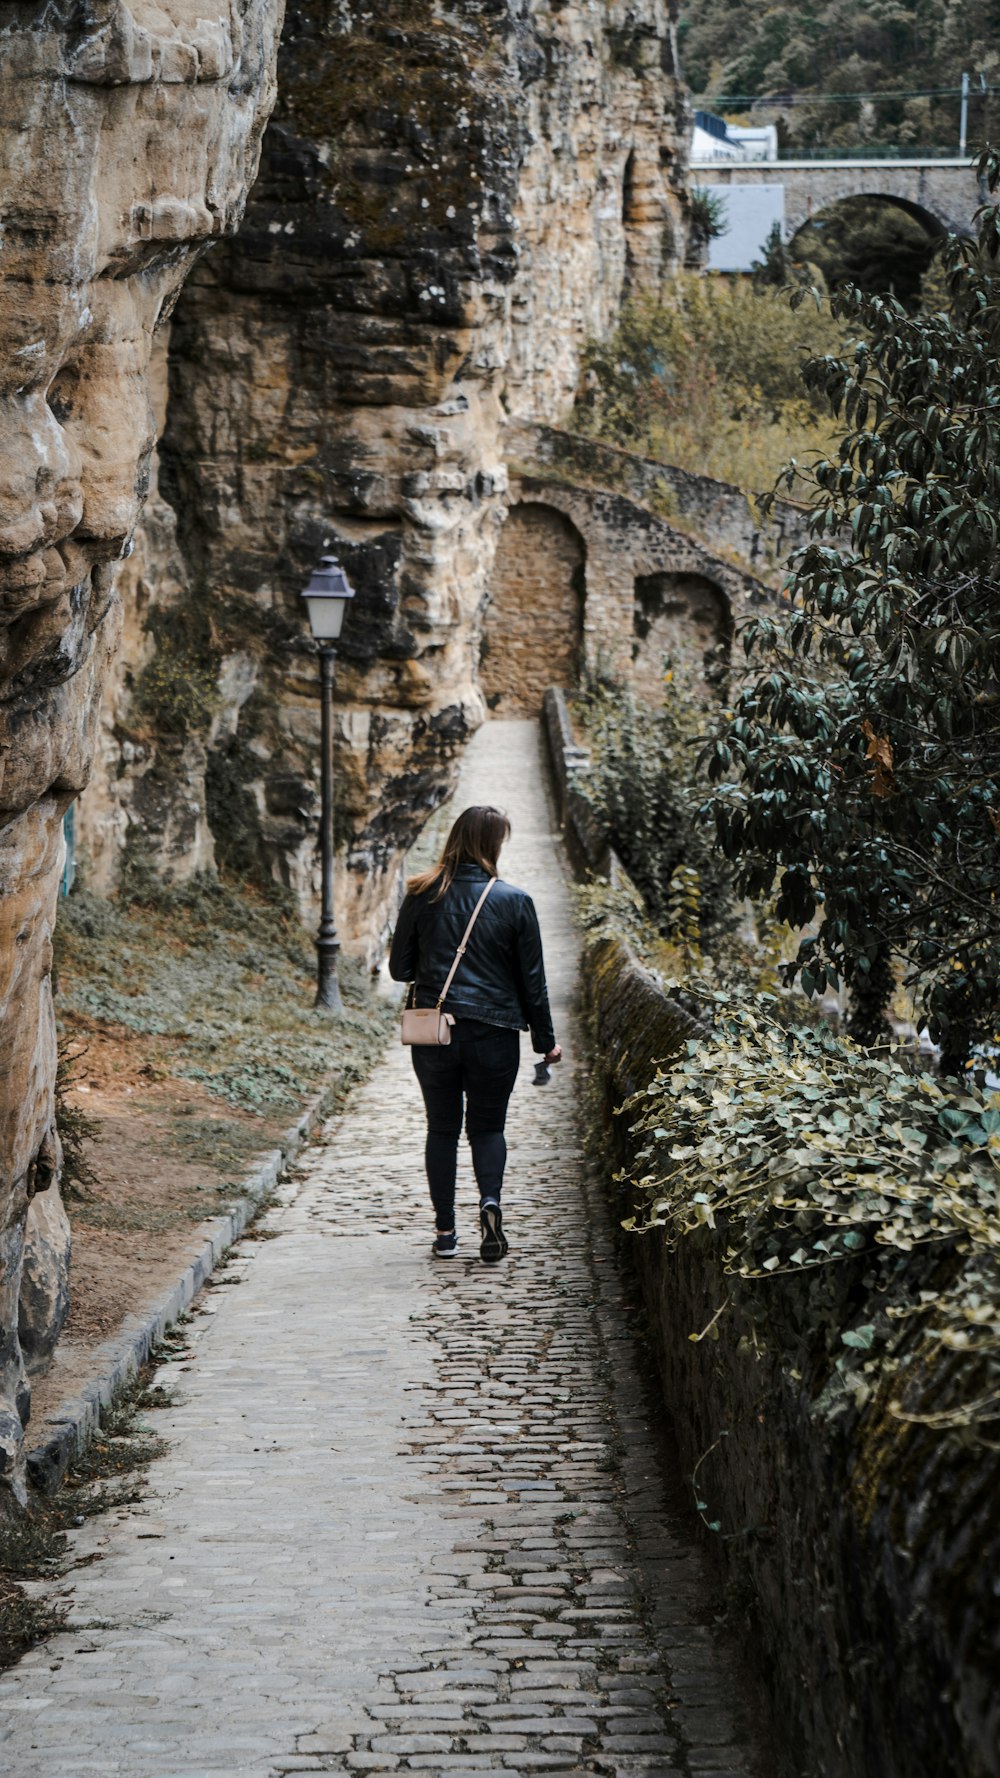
[
  {"x": 34, "y": 1547},
  {"x": 228, "y": 1146},
  {"x": 211, "y": 985},
  {"x": 712, "y": 381}
]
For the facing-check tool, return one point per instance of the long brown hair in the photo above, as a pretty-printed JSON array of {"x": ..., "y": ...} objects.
[{"x": 475, "y": 838}]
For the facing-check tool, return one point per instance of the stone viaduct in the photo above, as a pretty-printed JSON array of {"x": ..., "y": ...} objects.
[
  {"x": 943, "y": 195},
  {"x": 603, "y": 565}
]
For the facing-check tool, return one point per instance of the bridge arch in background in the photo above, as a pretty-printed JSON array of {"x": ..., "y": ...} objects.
[
  {"x": 942, "y": 194},
  {"x": 932, "y": 224},
  {"x": 878, "y": 240}
]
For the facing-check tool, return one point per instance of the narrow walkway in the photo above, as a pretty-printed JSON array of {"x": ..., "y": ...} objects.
[{"x": 412, "y": 1516}]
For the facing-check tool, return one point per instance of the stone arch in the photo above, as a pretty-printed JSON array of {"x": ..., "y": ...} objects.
[
  {"x": 899, "y": 264},
  {"x": 932, "y": 225},
  {"x": 682, "y": 618},
  {"x": 533, "y": 625},
  {"x": 629, "y": 195},
  {"x": 929, "y": 222}
]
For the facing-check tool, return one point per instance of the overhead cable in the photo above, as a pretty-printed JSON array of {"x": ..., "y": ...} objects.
[{"x": 778, "y": 101}]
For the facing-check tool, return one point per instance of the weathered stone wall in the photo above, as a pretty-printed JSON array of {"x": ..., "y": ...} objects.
[
  {"x": 725, "y": 518},
  {"x": 676, "y": 617},
  {"x": 128, "y": 138},
  {"x": 450, "y": 201},
  {"x": 648, "y": 588},
  {"x": 148, "y": 775},
  {"x": 588, "y": 579},
  {"x": 860, "y": 1548},
  {"x": 533, "y": 630},
  {"x": 602, "y": 190}
]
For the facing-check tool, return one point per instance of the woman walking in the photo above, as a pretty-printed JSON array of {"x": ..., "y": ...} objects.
[{"x": 497, "y": 991}]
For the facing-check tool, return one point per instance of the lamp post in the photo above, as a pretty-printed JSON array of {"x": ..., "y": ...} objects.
[{"x": 326, "y": 598}]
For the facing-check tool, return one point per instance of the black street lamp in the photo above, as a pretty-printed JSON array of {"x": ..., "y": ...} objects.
[{"x": 326, "y": 597}]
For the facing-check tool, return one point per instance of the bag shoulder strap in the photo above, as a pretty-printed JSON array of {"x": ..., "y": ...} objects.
[{"x": 460, "y": 953}]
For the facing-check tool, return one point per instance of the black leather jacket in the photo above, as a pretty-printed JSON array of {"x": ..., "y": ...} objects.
[{"x": 500, "y": 979}]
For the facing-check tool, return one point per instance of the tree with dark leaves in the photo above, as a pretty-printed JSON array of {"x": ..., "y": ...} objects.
[{"x": 858, "y": 773}]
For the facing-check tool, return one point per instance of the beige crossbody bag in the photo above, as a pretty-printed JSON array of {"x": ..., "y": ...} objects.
[{"x": 430, "y": 1024}]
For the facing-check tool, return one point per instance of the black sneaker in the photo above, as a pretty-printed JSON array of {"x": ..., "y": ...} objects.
[
  {"x": 445, "y": 1245},
  {"x": 494, "y": 1242}
]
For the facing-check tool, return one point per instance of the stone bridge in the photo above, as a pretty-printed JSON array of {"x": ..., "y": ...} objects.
[
  {"x": 943, "y": 195},
  {"x": 610, "y": 562}
]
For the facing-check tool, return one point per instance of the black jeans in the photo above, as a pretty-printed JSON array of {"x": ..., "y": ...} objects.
[{"x": 480, "y": 1066}]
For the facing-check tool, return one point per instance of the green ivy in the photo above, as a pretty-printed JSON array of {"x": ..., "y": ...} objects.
[
  {"x": 177, "y": 692},
  {"x": 646, "y": 789},
  {"x": 804, "y": 1151}
]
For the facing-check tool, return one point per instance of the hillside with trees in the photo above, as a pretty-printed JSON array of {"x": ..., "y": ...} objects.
[{"x": 813, "y": 61}]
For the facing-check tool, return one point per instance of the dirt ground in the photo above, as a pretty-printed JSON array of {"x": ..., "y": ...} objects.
[{"x": 143, "y": 1216}]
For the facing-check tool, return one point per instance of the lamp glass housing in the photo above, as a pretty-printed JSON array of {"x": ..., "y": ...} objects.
[{"x": 326, "y": 598}]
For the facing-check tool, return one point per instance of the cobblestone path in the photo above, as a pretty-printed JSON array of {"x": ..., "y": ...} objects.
[{"x": 411, "y": 1516}]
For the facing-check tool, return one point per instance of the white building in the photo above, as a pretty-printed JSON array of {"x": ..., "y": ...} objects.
[
  {"x": 716, "y": 140},
  {"x": 748, "y": 213}
]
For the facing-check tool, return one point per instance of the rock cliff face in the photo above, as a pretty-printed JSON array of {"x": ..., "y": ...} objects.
[
  {"x": 451, "y": 199},
  {"x": 129, "y": 136}
]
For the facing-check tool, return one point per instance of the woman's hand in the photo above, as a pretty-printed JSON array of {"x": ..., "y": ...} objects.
[{"x": 554, "y": 1055}]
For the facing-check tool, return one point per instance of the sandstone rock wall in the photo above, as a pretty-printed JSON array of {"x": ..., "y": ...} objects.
[
  {"x": 149, "y": 765},
  {"x": 451, "y": 198},
  {"x": 129, "y": 137},
  {"x": 602, "y": 189}
]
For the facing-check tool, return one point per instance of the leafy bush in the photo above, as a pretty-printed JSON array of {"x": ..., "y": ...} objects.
[
  {"x": 777, "y": 266},
  {"x": 859, "y": 771},
  {"x": 177, "y": 695},
  {"x": 706, "y": 216},
  {"x": 804, "y": 1151},
  {"x": 712, "y": 381},
  {"x": 75, "y": 1128},
  {"x": 645, "y": 786},
  {"x": 177, "y": 692}
]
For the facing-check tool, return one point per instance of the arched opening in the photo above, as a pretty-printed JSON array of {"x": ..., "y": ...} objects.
[
  {"x": 647, "y": 223},
  {"x": 678, "y": 620},
  {"x": 880, "y": 243},
  {"x": 533, "y": 627},
  {"x": 628, "y": 192}
]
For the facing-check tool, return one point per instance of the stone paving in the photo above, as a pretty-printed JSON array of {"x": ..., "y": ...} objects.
[{"x": 412, "y": 1516}]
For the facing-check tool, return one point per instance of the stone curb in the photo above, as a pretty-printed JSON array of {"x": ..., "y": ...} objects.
[{"x": 76, "y": 1420}]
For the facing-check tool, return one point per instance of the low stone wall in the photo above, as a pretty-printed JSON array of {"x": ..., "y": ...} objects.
[
  {"x": 588, "y": 846},
  {"x": 720, "y": 513},
  {"x": 860, "y": 1550}
]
